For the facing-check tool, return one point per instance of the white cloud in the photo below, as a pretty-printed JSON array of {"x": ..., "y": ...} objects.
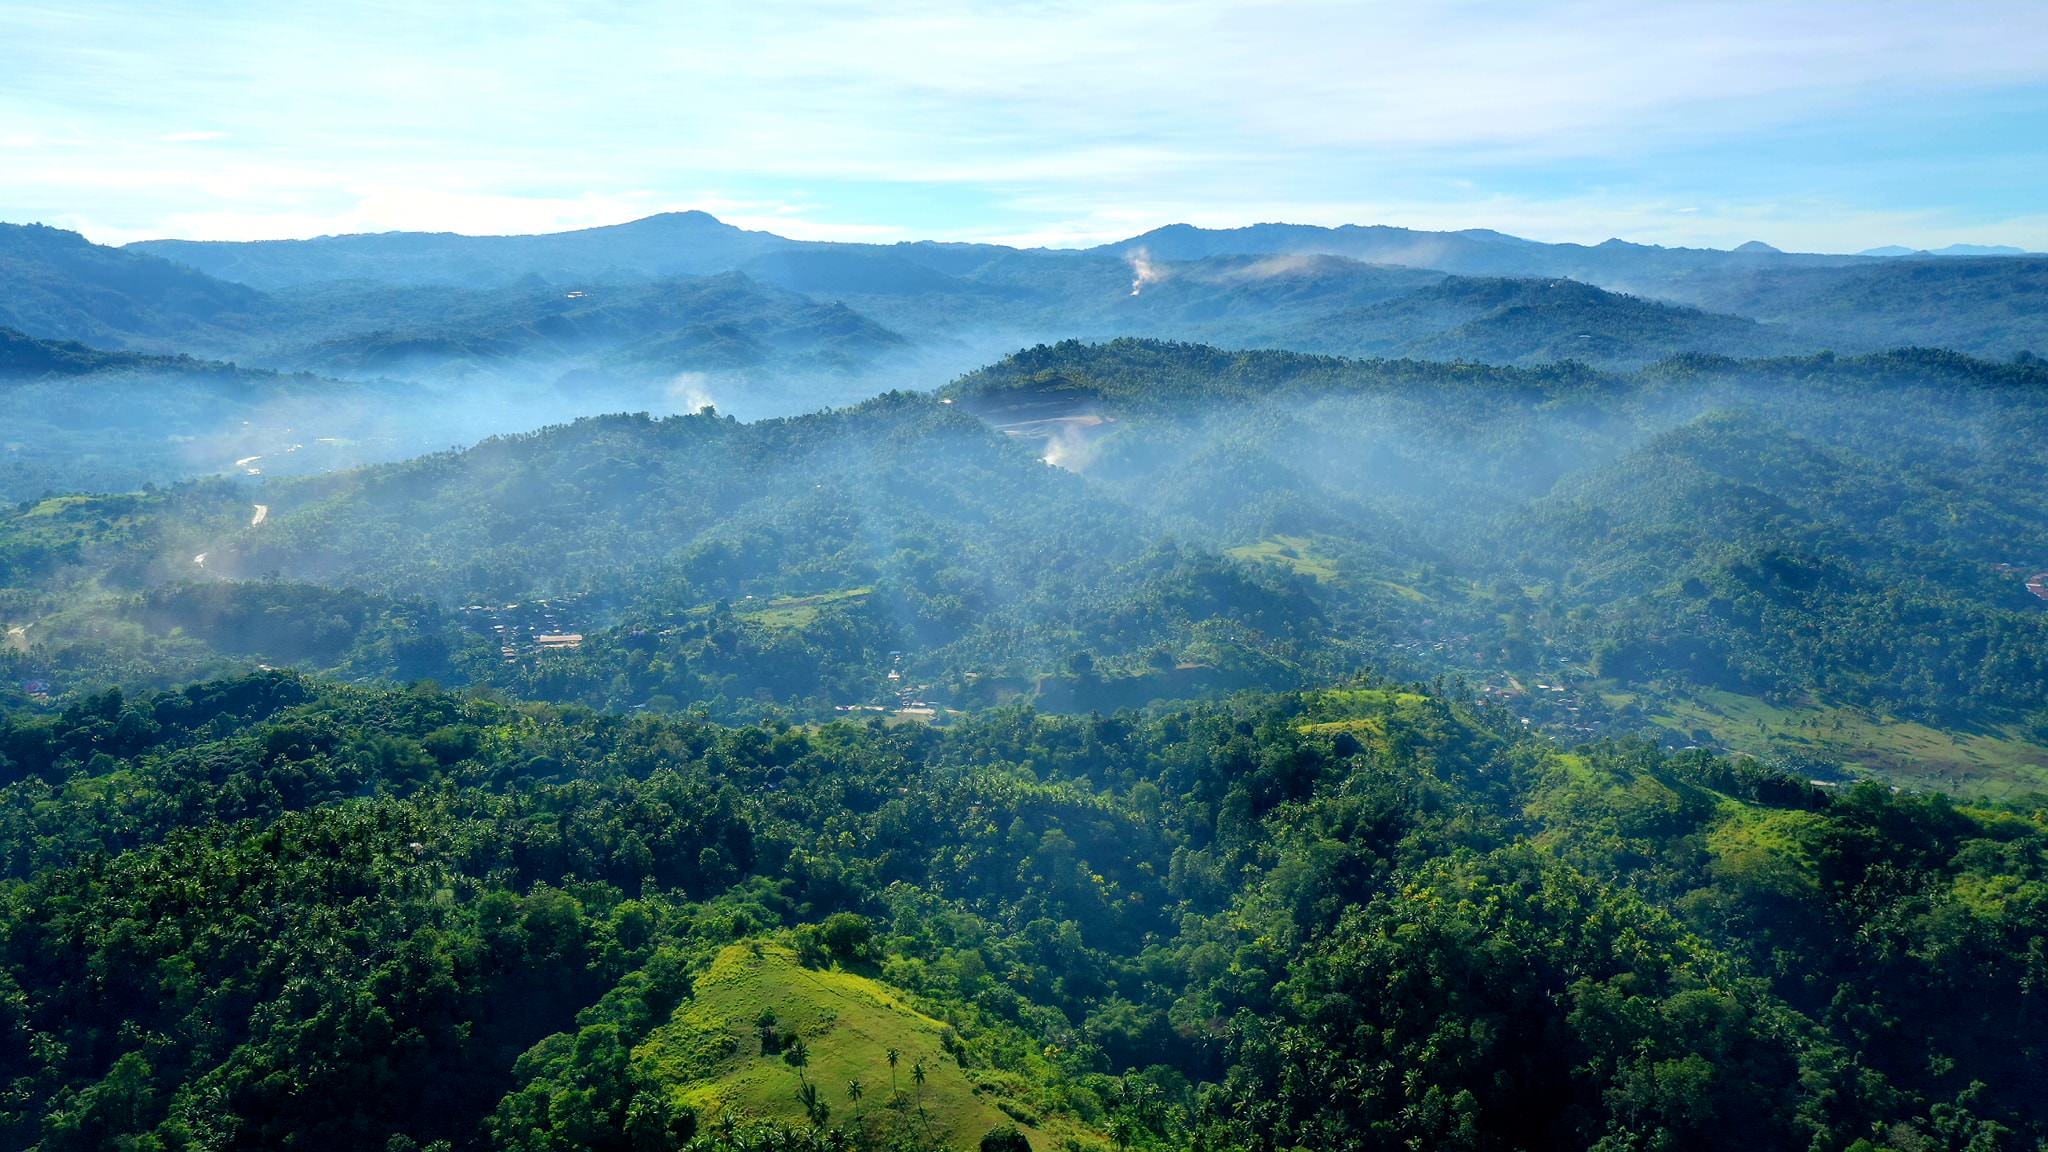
[{"x": 1058, "y": 121}]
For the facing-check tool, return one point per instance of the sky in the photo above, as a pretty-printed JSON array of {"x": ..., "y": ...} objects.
[{"x": 1816, "y": 126}]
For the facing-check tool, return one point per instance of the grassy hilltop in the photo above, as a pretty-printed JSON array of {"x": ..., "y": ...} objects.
[{"x": 714, "y": 1055}]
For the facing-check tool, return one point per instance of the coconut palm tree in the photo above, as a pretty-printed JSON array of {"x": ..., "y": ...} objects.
[
  {"x": 798, "y": 1056},
  {"x": 853, "y": 1093},
  {"x": 814, "y": 1107}
]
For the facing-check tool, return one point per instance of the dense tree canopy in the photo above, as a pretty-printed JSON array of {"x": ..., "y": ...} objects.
[
  {"x": 1130, "y": 745},
  {"x": 271, "y": 912}
]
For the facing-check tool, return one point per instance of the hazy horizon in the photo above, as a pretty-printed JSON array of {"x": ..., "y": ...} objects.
[
  {"x": 2011, "y": 249},
  {"x": 1820, "y": 127},
  {"x": 1450, "y": 647}
]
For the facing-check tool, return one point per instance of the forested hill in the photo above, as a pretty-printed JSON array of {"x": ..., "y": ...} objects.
[
  {"x": 1770, "y": 540},
  {"x": 84, "y": 419},
  {"x": 1989, "y": 305},
  {"x": 23, "y": 357},
  {"x": 783, "y": 559},
  {"x": 61, "y": 286},
  {"x": 695, "y": 242},
  {"x": 1165, "y": 377},
  {"x": 1163, "y": 373},
  {"x": 665, "y": 245},
  {"x": 1473, "y": 251},
  {"x": 1499, "y": 321},
  {"x": 726, "y": 322},
  {"x": 269, "y": 912},
  {"x": 1793, "y": 527}
]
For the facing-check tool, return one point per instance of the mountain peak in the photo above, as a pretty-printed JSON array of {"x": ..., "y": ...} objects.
[
  {"x": 693, "y": 217},
  {"x": 1759, "y": 247}
]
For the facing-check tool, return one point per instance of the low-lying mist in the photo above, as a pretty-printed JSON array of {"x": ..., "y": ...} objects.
[
  {"x": 122, "y": 430},
  {"x": 1091, "y": 523}
]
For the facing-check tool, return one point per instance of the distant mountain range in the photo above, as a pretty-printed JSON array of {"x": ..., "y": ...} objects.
[
  {"x": 1950, "y": 250},
  {"x": 695, "y": 243},
  {"x": 666, "y": 245},
  {"x": 1478, "y": 252},
  {"x": 765, "y": 324}
]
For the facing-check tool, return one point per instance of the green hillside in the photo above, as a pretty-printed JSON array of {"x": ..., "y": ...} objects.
[
  {"x": 899, "y": 669},
  {"x": 284, "y": 912},
  {"x": 1530, "y": 322},
  {"x": 711, "y": 1056},
  {"x": 2007, "y": 762},
  {"x": 1816, "y": 533},
  {"x": 61, "y": 286}
]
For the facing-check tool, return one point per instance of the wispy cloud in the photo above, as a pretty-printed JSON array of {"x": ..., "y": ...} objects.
[{"x": 1061, "y": 121}]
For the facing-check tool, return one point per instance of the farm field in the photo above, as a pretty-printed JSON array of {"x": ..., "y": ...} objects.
[
  {"x": 1992, "y": 762},
  {"x": 794, "y": 612}
]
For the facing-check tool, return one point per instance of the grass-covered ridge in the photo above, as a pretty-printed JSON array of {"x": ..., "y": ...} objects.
[{"x": 726, "y": 1054}]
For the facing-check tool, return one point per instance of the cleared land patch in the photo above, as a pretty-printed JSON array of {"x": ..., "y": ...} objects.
[
  {"x": 1992, "y": 761},
  {"x": 793, "y": 612},
  {"x": 1296, "y": 552},
  {"x": 711, "y": 1054}
]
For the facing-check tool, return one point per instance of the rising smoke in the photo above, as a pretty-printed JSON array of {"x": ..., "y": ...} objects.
[
  {"x": 690, "y": 392},
  {"x": 1143, "y": 271}
]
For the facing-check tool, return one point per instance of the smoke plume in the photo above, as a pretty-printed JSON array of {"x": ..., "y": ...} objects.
[{"x": 1143, "y": 271}]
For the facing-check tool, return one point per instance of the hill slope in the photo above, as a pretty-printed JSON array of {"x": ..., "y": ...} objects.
[
  {"x": 670, "y": 244},
  {"x": 78, "y": 418},
  {"x": 713, "y": 323},
  {"x": 1869, "y": 522},
  {"x": 711, "y": 1055},
  {"x": 23, "y": 357},
  {"x": 61, "y": 286},
  {"x": 694, "y": 242},
  {"x": 385, "y": 917},
  {"x": 1475, "y": 252},
  {"x": 1816, "y": 533},
  {"x": 1529, "y": 322},
  {"x": 434, "y": 303},
  {"x": 1988, "y": 306}
]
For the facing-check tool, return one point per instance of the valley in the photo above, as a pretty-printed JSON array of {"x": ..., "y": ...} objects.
[
  {"x": 1252, "y": 576},
  {"x": 645, "y": 678}
]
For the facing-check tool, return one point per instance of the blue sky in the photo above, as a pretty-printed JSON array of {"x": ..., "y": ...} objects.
[{"x": 1817, "y": 126}]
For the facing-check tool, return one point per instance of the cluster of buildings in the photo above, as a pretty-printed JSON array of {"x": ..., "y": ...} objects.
[
  {"x": 909, "y": 701},
  {"x": 2037, "y": 582},
  {"x": 521, "y": 630}
]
